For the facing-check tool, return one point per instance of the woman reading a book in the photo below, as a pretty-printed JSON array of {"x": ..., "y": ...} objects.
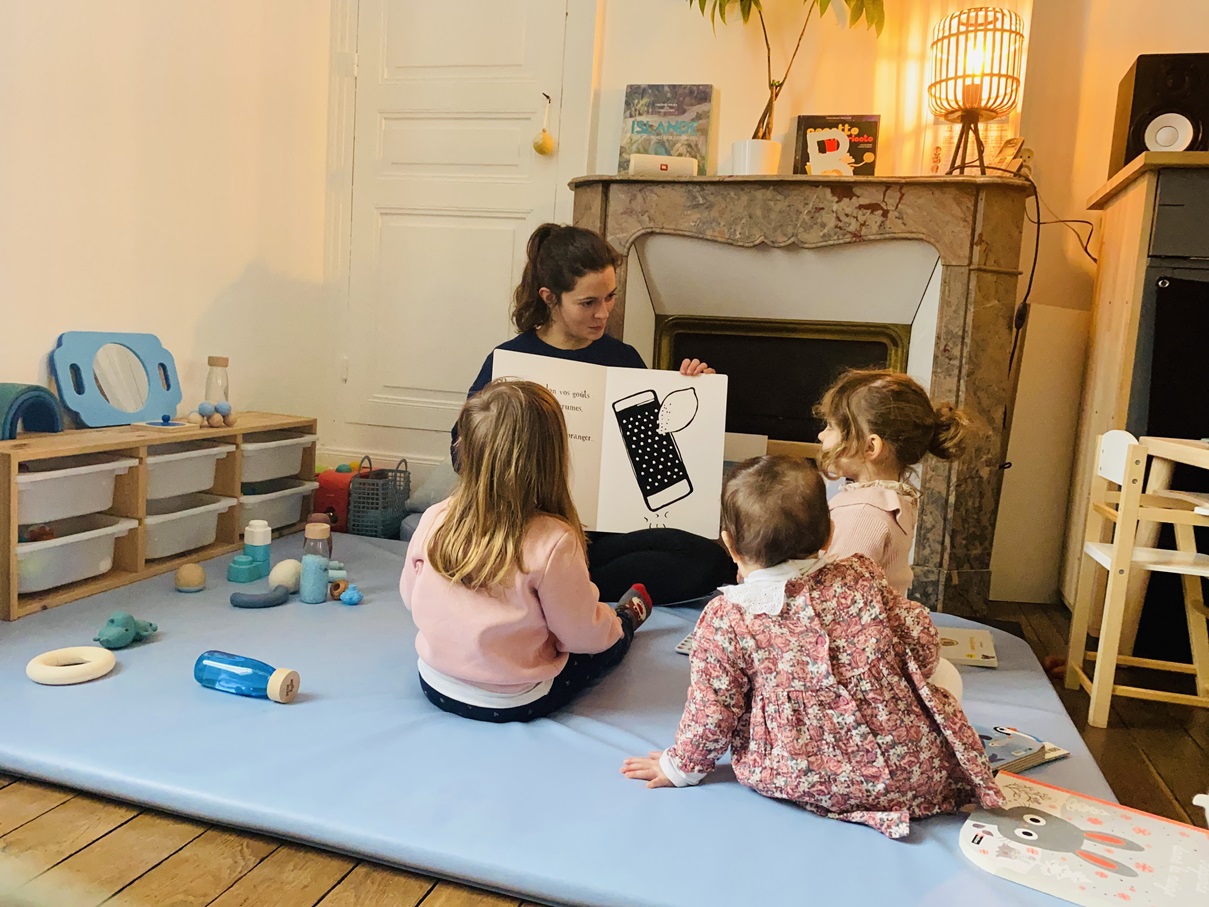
[{"x": 561, "y": 309}]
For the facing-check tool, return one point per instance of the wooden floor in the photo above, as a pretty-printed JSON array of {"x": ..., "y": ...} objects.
[{"x": 66, "y": 849}]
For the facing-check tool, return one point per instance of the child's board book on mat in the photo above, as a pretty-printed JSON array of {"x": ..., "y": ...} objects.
[
  {"x": 1087, "y": 851},
  {"x": 968, "y": 647},
  {"x": 1010, "y": 750}
]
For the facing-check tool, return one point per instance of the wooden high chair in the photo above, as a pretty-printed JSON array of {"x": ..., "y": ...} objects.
[{"x": 1121, "y": 462}]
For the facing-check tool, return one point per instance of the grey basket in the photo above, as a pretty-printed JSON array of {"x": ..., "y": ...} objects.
[{"x": 376, "y": 499}]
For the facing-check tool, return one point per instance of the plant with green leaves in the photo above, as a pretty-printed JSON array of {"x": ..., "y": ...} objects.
[{"x": 870, "y": 11}]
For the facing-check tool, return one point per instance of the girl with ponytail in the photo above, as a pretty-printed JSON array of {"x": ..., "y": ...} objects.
[{"x": 880, "y": 424}]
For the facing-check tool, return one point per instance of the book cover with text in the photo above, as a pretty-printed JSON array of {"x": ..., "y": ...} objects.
[
  {"x": 837, "y": 144},
  {"x": 670, "y": 120}
]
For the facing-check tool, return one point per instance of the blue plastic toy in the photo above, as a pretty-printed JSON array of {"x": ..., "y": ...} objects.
[
  {"x": 352, "y": 596},
  {"x": 243, "y": 569},
  {"x": 122, "y": 629},
  {"x": 72, "y": 364},
  {"x": 245, "y": 676}
]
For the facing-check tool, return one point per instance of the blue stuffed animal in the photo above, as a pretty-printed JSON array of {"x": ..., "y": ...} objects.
[{"x": 122, "y": 629}]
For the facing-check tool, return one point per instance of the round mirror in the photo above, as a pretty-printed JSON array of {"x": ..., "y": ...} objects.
[{"x": 120, "y": 377}]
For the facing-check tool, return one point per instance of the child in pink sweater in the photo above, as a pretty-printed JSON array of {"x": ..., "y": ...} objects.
[
  {"x": 496, "y": 576},
  {"x": 814, "y": 674},
  {"x": 880, "y": 424}
]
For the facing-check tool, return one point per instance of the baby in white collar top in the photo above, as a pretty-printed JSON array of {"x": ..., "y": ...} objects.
[{"x": 814, "y": 674}]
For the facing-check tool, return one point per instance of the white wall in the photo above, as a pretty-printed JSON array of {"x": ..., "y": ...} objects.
[
  {"x": 838, "y": 70},
  {"x": 163, "y": 170}
]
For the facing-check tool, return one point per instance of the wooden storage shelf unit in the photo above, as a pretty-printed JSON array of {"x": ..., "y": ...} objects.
[{"x": 130, "y": 562}]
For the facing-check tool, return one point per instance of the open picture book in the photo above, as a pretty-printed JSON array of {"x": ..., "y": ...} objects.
[{"x": 646, "y": 445}]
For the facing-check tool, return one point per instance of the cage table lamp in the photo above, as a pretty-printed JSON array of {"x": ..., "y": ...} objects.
[{"x": 975, "y": 57}]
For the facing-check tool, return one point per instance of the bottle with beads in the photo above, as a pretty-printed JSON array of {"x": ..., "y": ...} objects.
[
  {"x": 313, "y": 588},
  {"x": 245, "y": 676},
  {"x": 323, "y": 520}
]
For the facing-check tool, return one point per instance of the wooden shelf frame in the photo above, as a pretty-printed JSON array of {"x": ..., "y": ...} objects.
[{"x": 130, "y": 562}]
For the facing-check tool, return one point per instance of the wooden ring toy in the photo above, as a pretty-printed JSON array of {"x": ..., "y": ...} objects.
[
  {"x": 337, "y": 588},
  {"x": 74, "y": 664}
]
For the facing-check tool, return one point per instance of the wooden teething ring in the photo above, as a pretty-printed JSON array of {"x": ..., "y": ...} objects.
[{"x": 75, "y": 664}]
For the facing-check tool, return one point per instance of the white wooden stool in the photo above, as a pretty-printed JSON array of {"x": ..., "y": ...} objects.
[{"x": 1109, "y": 542}]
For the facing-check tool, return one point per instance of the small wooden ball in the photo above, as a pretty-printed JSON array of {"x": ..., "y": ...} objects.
[
  {"x": 230, "y": 419},
  {"x": 195, "y": 418},
  {"x": 190, "y": 578},
  {"x": 216, "y": 421},
  {"x": 338, "y": 588}
]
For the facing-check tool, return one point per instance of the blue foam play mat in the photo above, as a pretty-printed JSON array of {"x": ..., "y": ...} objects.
[{"x": 361, "y": 763}]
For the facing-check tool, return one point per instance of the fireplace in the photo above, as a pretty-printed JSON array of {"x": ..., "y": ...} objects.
[
  {"x": 777, "y": 369},
  {"x": 948, "y": 246}
]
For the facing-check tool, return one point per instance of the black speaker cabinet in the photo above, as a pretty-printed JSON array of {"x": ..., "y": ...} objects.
[{"x": 1162, "y": 105}]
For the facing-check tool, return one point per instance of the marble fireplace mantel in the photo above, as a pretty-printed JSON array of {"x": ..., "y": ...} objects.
[{"x": 975, "y": 225}]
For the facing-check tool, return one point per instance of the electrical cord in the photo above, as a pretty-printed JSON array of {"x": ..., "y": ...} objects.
[{"x": 1020, "y": 319}]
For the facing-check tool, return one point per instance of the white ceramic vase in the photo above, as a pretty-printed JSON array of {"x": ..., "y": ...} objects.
[{"x": 755, "y": 157}]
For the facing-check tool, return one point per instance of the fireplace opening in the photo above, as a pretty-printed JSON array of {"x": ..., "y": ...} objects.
[{"x": 778, "y": 370}]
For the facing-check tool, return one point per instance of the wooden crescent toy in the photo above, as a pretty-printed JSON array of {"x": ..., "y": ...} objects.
[{"x": 74, "y": 664}]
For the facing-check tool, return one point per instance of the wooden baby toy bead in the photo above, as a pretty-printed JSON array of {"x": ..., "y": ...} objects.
[{"x": 338, "y": 588}]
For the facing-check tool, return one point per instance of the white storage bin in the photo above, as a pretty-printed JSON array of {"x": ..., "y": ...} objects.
[
  {"x": 82, "y": 548},
  {"x": 273, "y": 455},
  {"x": 279, "y": 503},
  {"x": 176, "y": 469},
  {"x": 68, "y": 486},
  {"x": 183, "y": 523}
]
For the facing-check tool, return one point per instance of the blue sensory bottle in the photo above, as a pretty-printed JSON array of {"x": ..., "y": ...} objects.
[{"x": 245, "y": 676}]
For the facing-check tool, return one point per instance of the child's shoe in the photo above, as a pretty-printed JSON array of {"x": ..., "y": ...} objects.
[{"x": 637, "y": 604}]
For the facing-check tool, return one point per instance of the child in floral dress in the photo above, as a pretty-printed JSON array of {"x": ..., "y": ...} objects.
[{"x": 814, "y": 674}]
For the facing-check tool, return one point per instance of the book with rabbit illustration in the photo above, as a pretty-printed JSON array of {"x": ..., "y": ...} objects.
[
  {"x": 1087, "y": 851},
  {"x": 646, "y": 445},
  {"x": 1010, "y": 750}
]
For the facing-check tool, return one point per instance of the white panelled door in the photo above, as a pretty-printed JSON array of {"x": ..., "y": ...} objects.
[{"x": 446, "y": 190}]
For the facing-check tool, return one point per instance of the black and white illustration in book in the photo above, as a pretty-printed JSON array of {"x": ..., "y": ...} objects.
[
  {"x": 646, "y": 444},
  {"x": 648, "y": 431}
]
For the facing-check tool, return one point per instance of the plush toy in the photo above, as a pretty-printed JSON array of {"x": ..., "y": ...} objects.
[{"x": 122, "y": 629}]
